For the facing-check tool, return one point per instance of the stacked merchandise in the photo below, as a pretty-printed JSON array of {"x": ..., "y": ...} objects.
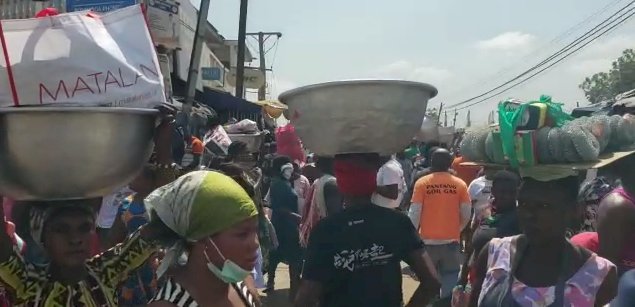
[
  {"x": 246, "y": 131},
  {"x": 540, "y": 132}
]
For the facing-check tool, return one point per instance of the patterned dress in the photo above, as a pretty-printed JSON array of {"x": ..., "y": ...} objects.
[
  {"x": 176, "y": 294},
  {"x": 579, "y": 290},
  {"x": 590, "y": 195},
  {"x": 31, "y": 285},
  {"x": 141, "y": 286}
]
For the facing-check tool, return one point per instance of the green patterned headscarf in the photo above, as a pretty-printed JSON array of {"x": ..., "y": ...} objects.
[{"x": 198, "y": 205}]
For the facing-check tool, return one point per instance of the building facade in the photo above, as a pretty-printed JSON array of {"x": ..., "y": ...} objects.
[{"x": 217, "y": 52}]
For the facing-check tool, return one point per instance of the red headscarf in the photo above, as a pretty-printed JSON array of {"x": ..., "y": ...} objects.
[{"x": 355, "y": 178}]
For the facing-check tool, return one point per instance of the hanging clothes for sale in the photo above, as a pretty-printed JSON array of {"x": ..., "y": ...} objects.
[{"x": 289, "y": 144}]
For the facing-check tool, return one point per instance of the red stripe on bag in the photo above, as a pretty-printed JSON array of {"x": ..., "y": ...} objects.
[
  {"x": 49, "y": 11},
  {"x": 14, "y": 92}
]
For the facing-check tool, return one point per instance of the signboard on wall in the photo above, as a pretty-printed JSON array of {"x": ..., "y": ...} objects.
[
  {"x": 163, "y": 18},
  {"x": 253, "y": 78},
  {"x": 101, "y": 6},
  {"x": 211, "y": 73}
]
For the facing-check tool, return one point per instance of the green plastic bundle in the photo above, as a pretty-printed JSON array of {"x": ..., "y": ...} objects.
[{"x": 510, "y": 118}]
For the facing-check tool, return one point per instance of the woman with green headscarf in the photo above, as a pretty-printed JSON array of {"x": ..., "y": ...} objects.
[{"x": 217, "y": 221}]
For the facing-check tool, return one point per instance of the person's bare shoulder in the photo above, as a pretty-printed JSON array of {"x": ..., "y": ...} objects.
[
  {"x": 615, "y": 210},
  {"x": 615, "y": 204}
]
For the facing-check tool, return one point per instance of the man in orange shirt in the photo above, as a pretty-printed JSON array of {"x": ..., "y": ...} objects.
[
  {"x": 196, "y": 146},
  {"x": 440, "y": 209}
]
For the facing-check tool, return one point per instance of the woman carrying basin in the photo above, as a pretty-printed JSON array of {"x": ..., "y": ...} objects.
[
  {"x": 541, "y": 267},
  {"x": 71, "y": 278},
  {"x": 64, "y": 229}
]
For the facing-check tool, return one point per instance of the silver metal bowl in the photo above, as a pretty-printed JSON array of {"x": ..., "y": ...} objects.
[
  {"x": 52, "y": 153},
  {"x": 358, "y": 116}
]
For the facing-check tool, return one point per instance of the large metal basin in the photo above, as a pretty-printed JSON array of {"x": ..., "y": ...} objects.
[
  {"x": 53, "y": 153},
  {"x": 358, "y": 116}
]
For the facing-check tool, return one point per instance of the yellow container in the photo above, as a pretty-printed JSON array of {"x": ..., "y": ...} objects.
[{"x": 273, "y": 108}]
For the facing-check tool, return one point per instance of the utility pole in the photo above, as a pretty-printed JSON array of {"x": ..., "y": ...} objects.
[
  {"x": 445, "y": 121},
  {"x": 262, "y": 91},
  {"x": 262, "y": 38},
  {"x": 195, "y": 57},
  {"x": 240, "y": 61},
  {"x": 454, "y": 120},
  {"x": 439, "y": 114}
]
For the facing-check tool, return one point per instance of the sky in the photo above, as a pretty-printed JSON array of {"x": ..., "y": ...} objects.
[{"x": 463, "y": 48}]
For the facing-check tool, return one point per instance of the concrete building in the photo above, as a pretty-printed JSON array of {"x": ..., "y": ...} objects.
[{"x": 217, "y": 51}]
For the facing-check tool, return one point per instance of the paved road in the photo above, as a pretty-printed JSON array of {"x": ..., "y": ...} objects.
[{"x": 280, "y": 297}]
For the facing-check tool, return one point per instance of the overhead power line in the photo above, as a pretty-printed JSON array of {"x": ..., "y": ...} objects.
[
  {"x": 604, "y": 24},
  {"x": 620, "y": 22},
  {"x": 542, "y": 48}
]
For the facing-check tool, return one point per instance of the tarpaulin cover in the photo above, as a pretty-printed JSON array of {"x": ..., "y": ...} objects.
[{"x": 219, "y": 101}]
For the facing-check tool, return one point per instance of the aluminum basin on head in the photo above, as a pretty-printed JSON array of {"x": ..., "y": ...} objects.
[
  {"x": 52, "y": 153},
  {"x": 358, "y": 116}
]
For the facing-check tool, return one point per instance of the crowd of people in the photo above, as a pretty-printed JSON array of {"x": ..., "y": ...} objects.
[{"x": 211, "y": 235}]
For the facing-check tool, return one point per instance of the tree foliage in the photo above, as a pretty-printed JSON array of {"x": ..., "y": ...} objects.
[{"x": 620, "y": 78}]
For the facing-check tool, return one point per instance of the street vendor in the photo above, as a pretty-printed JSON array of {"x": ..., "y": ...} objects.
[
  {"x": 506, "y": 271},
  {"x": 353, "y": 257},
  {"x": 65, "y": 229},
  {"x": 71, "y": 278}
]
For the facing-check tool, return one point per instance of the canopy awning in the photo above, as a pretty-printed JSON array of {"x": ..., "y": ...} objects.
[
  {"x": 219, "y": 101},
  {"x": 222, "y": 101}
]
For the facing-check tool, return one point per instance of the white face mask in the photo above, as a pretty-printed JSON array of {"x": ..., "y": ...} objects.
[
  {"x": 231, "y": 272},
  {"x": 287, "y": 173}
]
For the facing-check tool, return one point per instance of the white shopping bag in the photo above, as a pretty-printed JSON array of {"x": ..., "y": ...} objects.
[
  {"x": 219, "y": 137},
  {"x": 80, "y": 59}
]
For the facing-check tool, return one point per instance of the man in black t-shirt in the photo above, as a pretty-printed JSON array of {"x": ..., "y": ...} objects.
[{"x": 353, "y": 257}]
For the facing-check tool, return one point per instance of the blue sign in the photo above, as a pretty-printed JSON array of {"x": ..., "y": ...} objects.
[
  {"x": 100, "y": 6},
  {"x": 211, "y": 73}
]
